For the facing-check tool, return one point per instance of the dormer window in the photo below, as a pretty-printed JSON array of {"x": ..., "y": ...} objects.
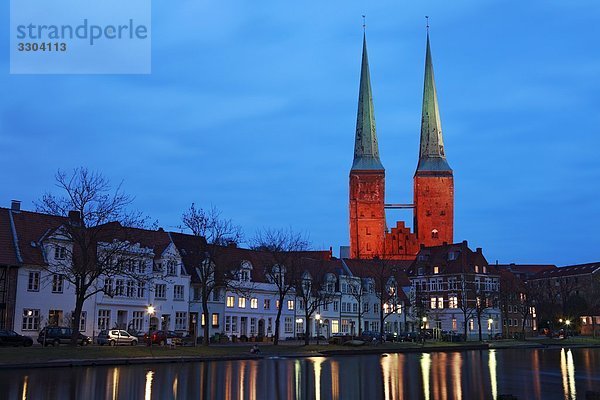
[
  {"x": 245, "y": 276},
  {"x": 436, "y": 270},
  {"x": 484, "y": 269},
  {"x": 171, "y": 268},
  {"x": 453, "y": 255},
  {"x": 477, "y": 269},
  {"x": 244, "y": 273},
  {"x": 60, "y": 253}
]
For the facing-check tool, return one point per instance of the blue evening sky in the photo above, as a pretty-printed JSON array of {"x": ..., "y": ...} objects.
[{"x": 251, "y": 106}]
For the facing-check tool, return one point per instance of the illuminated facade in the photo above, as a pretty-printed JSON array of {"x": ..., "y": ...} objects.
[{"x": 433, "y": 203}]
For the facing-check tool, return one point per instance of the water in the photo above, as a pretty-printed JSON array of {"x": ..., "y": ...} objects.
[{"x": 486, "y": 374}]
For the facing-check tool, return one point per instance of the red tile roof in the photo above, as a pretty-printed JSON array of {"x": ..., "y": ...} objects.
[
  {"x": 366, "y": 268},
  {"x": 31, "y": 227},
  {"x": 464, "y": 260},
  {"x": 571, "y": 270}
]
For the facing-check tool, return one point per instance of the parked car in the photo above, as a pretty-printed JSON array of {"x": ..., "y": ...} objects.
[
  {"x": 12, "y": 338},
  {"x": 407, "y": 337},
  {"x": 56, "y": 335},
  {"x": 114, "y": 337},
  {"x": 160, "y": 338},
  {"x": 370, "y": 336},
  {"x": 452, "y": 336},
  {"x": 340, "y": 338}
]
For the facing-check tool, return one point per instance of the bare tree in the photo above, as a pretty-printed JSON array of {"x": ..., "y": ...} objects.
[
  {"x": 286, "y": 248},
  {"x": 385, "y": 276},
  {"x": 95, "y": 215},
  {"x": 467, "y": 301},
  {"x": 314, "y": 290},
  {"x": 210, "y": 263},
  {"x": 359, "y": 292}
]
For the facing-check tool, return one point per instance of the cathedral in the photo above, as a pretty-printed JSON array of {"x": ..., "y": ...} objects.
[{"x": 433, "y": 201}]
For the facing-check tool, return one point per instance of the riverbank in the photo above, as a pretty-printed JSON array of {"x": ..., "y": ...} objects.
[{"x": 66, "y": 356}]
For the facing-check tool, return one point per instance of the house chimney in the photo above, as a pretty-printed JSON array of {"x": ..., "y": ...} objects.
[
  {"x": 478, "y": 250},
  {"x": 15, "y": 205},
  {"x": 74, "y": 218},
  {"x": 466, "y": 243}
]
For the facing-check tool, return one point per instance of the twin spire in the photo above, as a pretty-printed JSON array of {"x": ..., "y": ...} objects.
[
  {"x": 366, "y": 150},
  {"x": 431, "y": 151}
]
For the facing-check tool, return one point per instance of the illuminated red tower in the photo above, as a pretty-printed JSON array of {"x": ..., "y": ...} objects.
[
  {"x": 367, "y": 177},
  {"x": 433, "y": 180}
]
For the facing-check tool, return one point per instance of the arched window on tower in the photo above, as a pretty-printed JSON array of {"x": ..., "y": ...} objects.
[{"x": 434, "y": 234}]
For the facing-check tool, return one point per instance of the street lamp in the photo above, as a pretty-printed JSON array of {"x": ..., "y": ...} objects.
[
  {"x": 150, "y": 311},
  {"x": 318, "y": 321},
  {"x": 298, "y": 322}
]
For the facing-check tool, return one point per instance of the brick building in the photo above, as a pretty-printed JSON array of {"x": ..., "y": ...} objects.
[{"x": 433, "y": 203}]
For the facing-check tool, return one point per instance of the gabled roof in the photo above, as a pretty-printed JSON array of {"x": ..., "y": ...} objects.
[
  {"x": 451, "y": 259},
  {"x": 30, "y": 228},
  {"x": 365, "y": 268},
  {"x": 157, "y": 240},
  {"x": 8, "y": 252},
  {"x": 571, "y": 270}
]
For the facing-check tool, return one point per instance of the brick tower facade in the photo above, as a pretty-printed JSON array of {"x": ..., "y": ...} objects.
[
  {"x": 433, "y": 180},
  {"x": 367, "y": 177},
  {"x": 433, "y": 204}
]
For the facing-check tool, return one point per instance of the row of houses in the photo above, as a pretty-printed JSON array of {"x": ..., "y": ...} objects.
[{"x": 159, "y": 280}]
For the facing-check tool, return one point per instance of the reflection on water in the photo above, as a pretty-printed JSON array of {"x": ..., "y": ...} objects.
[
  {"x": 527, "y": 374},
  {"x": 148, "y": 387},
  {"x": 567, "y": 369},
  {"x": 425, "y": 369},
  {"x": 493, "y": 377}
]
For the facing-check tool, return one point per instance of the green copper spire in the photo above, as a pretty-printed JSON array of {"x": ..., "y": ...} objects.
[
  {"x": 431, "y": 153},
  {"x": 366, "y": 151}
]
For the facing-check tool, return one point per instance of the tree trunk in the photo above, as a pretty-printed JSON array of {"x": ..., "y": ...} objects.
[
  {"x": 76, "y": 317},
  {"x": 465, "y": 325},
  {"x": 307, "y": 329},
  {"x": 479, "y": 326},
  {"x": 381, "y": 320},
  {"x": 206, "y": 338},
  {"x": 277, "y": 322},
  {"x": 359, "y": 322}
]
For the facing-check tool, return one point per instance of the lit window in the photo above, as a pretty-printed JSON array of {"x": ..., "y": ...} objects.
[
  {"x": 290, "y": 304},
  {"x": 254, "y": 302},
  {"x": 230, "y": 301},
  {"x": 436, "y": 270},
  {"x": 267, "y": 304},
  {"x": 242, "y": 302},
  {"x": 31, "y": 320},
  {"x": 215, "y": 320},
  {"x": 433, "y": 302}
]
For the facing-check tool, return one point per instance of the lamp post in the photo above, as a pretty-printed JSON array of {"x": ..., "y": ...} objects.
[
  {"x": 298, "y": 322},
  {"x": 150, "y": 311},
  {"x": 318, "y": 321},
  {"x": 567, "y": 323},
  {"x": 491, "y": 327}
]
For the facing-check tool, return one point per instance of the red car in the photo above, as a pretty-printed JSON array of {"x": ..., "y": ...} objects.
[{"x": 162, "y": 337}]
